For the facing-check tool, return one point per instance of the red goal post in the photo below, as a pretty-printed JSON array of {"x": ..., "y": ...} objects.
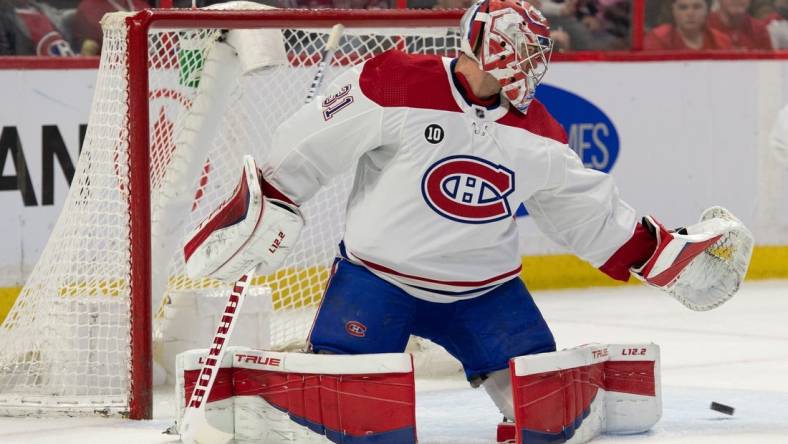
[{"x": 108, "y": 263}]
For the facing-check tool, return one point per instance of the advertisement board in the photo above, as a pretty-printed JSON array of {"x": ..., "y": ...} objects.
[{"x": 43, "y": 118}]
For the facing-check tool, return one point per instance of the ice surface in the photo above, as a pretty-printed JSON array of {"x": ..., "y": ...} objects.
[{"x": 736, "y": 355}]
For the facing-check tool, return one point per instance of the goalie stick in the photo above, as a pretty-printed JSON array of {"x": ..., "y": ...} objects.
[
  {"x": 326, "y": 55},
  {"x": 195, "y": 427}
]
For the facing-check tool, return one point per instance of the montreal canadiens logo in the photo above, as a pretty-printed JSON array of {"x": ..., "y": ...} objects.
[
  {"x": 468, "y": 189},
  {"x": 52, "y": 44},
  {"x": 355, "y": 328}
]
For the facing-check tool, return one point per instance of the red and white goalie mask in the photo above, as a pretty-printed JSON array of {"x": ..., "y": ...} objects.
[{"x": 510, "y": 39}]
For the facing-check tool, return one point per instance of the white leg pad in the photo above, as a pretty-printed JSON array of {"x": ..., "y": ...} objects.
[
  {"x": 633, "y": 395},
  {"x": 499, "y": 386},
  {"x": 267, "y": 397},
  {"x": 219, "y": 411},
  {"x": 257, "y": 421}
]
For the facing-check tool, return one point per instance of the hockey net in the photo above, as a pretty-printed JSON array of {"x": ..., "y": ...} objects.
[{"x": 163, "y": 148}]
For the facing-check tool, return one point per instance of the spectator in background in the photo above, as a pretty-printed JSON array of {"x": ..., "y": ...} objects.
[
  {"x": 563, "y": 26},
  {"x": 761, "y": 9},
  {"x": 565, "y": 30},
  {"x": 603, "y": 24},
  {"x": 587, "y": 25},
  {"x": 316, "y": 4},
  {"x": 559, "y": 8},
  {"x": 733, "y": 20},
  {"x": 86, "y": 28},
  {"x": 452, "y": 4},
  {"x": 615, "y": 19},
  {"x": 6, "y": 43},
  {"x": 26, "y": 28},
  {"x": 343, "y": 4},
  {"x": 656, "y": 13},
  {"x": 688, "y": 31},
  {"x": 777, "y": 24}
]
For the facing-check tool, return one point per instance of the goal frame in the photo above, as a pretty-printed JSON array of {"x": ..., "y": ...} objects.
[{"x": 137, "y": 125}]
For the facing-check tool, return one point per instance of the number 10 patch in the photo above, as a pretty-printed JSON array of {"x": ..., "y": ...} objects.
[
  {"x": 336, "y": 102},
  {"x": 433, "y": 133}
]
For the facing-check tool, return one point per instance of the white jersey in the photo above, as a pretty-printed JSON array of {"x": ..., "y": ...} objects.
[{"x": 439, "y": 179}]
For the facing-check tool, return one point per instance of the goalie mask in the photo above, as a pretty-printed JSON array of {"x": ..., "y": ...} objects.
[{"x": 510, "y": 40}]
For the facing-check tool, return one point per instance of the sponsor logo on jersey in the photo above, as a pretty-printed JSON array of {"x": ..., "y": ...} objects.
[
  {"x": 468, "y": 189},
  {"x": 355, "y": 328}
]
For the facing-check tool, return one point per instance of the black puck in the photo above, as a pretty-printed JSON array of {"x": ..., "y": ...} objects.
[{"x": 722, "y": 408}]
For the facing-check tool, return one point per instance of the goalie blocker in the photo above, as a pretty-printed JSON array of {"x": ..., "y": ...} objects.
[{"x": 247, "y": 229}]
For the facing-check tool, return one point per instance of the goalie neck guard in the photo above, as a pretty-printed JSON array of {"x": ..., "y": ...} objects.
[{"x": 510, "y": 40}]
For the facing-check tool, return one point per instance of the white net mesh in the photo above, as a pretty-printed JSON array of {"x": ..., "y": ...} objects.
[{"x": 66, "y": 340}]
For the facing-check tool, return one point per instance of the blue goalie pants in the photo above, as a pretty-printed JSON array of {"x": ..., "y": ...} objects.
[{"x": 362, "y": 313}]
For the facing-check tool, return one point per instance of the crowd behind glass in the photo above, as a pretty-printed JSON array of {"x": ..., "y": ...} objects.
[{"x": 71, "y": 27}]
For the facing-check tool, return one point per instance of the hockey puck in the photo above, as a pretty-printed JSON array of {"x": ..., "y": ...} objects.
[{"x": 722, "y": 408}]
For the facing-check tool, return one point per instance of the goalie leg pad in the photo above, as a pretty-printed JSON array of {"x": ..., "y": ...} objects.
[
  {"x": 219, "y": 407},
  {"x": 247, "y": 229},
  {"x": 498, "y": 386},
  {"x": 311, "y": 398},
  {"x": 577, "y": 394},
  {"x": 633, "y": 395}
]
